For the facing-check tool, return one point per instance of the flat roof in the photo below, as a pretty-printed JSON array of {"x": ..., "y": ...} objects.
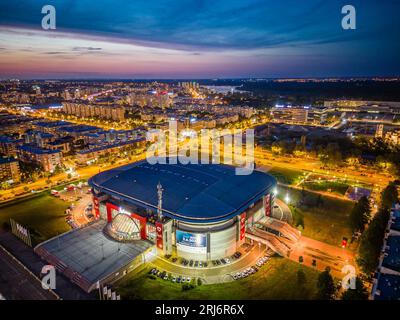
[
  {"x": 88, "y": 252},
  {"x": 192, "y": 192},
  {"x": 389, "y": 287},
  {"x": 7, "y": 160},
  {"x": 392, "y": 260}
]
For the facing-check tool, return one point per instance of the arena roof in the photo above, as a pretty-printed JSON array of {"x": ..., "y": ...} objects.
[{"x": 192, "y": 193}]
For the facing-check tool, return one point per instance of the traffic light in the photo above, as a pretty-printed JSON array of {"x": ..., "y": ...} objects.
[{"x": 344, "y": 242}]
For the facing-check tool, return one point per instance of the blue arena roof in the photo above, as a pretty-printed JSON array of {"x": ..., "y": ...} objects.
[{"x": 192, "y": 193}]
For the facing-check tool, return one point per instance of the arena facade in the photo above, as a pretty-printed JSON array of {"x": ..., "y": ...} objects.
[{"x": 196, "y": 211}]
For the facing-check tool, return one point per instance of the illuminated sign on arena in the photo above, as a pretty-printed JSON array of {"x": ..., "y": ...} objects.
[{"x": 191, "y": 242}]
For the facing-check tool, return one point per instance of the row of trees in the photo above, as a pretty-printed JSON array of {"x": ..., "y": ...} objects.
[
  {"x": 327, "y": 289},
  {"x": 333, "y": 151},
  {"x": 372, "y": 238}
]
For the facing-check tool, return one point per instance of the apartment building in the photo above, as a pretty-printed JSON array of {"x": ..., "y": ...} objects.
[
  {"x": 9, "y": 170},
  {"x": 48, "y": 159}
]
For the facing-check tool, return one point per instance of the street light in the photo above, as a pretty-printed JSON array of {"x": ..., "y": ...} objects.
[{"x": 287, "y": 198}]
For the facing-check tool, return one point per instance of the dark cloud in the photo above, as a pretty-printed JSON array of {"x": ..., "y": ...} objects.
[
  {"x": 210, "y": 24},
  {"x": 86, "y": 49}
]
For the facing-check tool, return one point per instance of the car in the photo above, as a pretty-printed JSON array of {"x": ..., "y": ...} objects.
[
  {"x": 214, "y": 263},
  {"x": 151, "y": 271},
  {"x": 227, "y": 260},
  {"x": 218, "y": 262},
  {"x": 179, "y": 279},
  {"x": 223, "y": 261},
  {"x": 173, "y": 279},
  {"x": 188, "y": 279},
  {"x": 174, "y": 259},
  {"x": 205, "y": 264},
  {"x": 200, "y": 264},
  {"x": 191, "y": 263},
  {"x": 196, "y": 264},
  {"x": 234, "y": 277},
  {"x": 165, "y": 277},
  {"x": 183, "y": 279}
]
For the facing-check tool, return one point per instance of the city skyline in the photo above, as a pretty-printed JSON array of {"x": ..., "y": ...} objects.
[{"x": 202, "y": 39}]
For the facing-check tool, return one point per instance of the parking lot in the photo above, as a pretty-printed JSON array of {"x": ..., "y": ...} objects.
[{"x": 215, "y": 271}]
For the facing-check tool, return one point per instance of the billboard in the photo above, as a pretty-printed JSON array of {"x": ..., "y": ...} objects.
[
  {"x": 191, "y": 242},
  {"x": 242, "y": 226},
  {"x": 159, "y": 235},
  {"x": 267, "y": 205}
]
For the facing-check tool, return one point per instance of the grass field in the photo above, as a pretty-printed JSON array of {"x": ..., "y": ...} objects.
[
  {"x": 334, "y": 187},
  {"x": 324, "y": 218},
  {"x": 286, "y": 176},
  {"x": 43, "y": 214},
  {"x": 277, "y": 279}
]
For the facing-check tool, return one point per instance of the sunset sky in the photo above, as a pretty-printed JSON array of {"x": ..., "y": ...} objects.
[{"x": 198, "y": 39}]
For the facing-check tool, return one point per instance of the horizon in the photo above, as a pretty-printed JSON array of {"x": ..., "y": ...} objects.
[{"x": 198, "y": 40}]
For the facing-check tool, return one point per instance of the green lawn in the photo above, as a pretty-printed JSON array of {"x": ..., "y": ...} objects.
[
  {"x": 334, "y": 187},
  {"x": 43, "y": 214},
  {"x": 277, "y": 279},
  {"x": 286, "y": 176},
  {"x": 324, "y": 218}
]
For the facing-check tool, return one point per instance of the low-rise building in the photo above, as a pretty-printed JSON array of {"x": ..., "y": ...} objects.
[
  {"x": 48, "y": 159},
  {"x": 387, "y": 279},
  {"x": 93, "y": 153},
  {"x": 9, "y": 170}
]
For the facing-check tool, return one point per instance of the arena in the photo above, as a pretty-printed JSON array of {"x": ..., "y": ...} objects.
[{"x": 192, "y": 211}]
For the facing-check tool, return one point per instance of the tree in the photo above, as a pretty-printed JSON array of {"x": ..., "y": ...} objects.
[
  {"x": 326, "y": 286},
  {"x": 359, "y": 293},
  {"x": 389, "y": 196},
  {"x": 301, "y": 277},
  {"x": 330, "y": 155},
  {"x": 360, "y": 215},
  {"x": 371, "y": 242}
]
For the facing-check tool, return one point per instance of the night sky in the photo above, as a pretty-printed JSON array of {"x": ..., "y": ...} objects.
[{"x": 199, "y": 39}]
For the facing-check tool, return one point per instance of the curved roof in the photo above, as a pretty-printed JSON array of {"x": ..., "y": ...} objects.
[{"x": 192, "y": 192}]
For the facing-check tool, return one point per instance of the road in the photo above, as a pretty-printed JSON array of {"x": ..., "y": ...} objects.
[
  {"x": 371, "y": 177},
  {"x": 324, "y": 254},
  {"x": 78, "y": 212},
  {"x": 16, "y": 283}
]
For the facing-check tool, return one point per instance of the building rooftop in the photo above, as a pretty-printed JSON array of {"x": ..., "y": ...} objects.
[
  {"x": 37, "y": 150},
  {"x": 396, "y": 220},
  {"x": 90, "y": 254},
  {"x": 109, "y": 146},
  {"x": 193, "y": 192},
  {"x": 392, "y": 260},
  {"x": 388, "y": 287},
  {"x": 7, "y": 160},
  {"x": 80, "y": 128},
  {"x": 52, "y": 124}
]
